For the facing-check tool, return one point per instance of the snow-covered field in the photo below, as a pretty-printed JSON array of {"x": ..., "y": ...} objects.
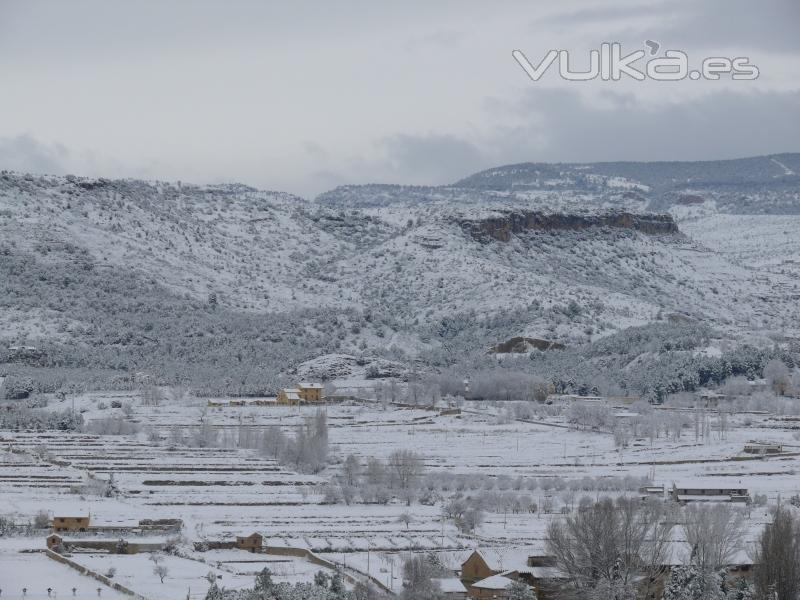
[{"x": 220, "y": 493}]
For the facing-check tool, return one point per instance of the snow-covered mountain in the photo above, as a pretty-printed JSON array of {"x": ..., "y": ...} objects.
[{"x": 128, "y": 273}]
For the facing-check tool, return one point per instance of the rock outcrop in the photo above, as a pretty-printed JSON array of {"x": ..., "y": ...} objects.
[
  {"x": 522, "y": 345},
  {"x": 503, "y": 225}
]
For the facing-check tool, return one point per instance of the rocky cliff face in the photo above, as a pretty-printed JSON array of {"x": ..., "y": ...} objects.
[{"x": 502, "y": 226}]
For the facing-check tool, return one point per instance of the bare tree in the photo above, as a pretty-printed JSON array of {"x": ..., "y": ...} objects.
[
  {"x": 161, "y": 572},
  {"x": 41, "y": 520},
  {"x": 472, "y": 518},
  {"x": 351, "y": 469},
  {"x": 375, "y": 472},
  {"x": 405, "y": 518},
  {"x": 777, "y": 571},
  {"x": 611, "y": 544},
  {"x": 419, "y": 573},
  {"x": 177, "y": 394},
  {"x": 778, "y": 376},
  {"x": 736, "y": 387},
  {"x": 405, "y": 467},
  {"x": 714, "y": 533},
  {"x": 151, "y": 395}
]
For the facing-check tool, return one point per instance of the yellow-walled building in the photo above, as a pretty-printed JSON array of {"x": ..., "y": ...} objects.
[
  {"x": 289, "y": 396},
  {"x": 305, "y": 393},
  {"x": 311, "y": 392}
]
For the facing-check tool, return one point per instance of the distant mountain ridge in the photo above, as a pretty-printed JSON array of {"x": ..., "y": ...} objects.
[
  {"x": 757, "y": 185},
  {"x": 659, "y": 175}
]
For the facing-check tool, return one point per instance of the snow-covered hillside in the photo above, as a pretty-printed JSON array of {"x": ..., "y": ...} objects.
[{"x": 562, "y": 253}]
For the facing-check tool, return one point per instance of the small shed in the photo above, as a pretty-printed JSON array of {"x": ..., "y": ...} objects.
[{"x": 54, "y": 541}]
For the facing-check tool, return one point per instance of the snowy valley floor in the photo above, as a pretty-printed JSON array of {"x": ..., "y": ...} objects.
[{"x": 220, "y": 493}]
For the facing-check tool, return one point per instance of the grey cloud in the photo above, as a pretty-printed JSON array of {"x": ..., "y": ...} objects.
[
  {"x": 314, "y": 150},
  {"x": 735, "y": 23},
  {"x": 258, "y": 80},
  {"x": 682, "y": 24},
  {"x": 26, "y": 154},
  {"x": 430, "y": 159},
  {"x": 439, "y": 39},
  {"x": 561, "y": 126},
  {"x": 605, "y": 15}
]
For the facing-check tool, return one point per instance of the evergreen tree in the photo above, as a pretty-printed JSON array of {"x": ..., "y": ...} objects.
[
  {"x": 688, "y": 582},
  {"x": 214, "y": 593},
  {"x": 264, "y": 581},
  {"x": 678, "y": 586},
  {"x": 336, "y": 590},
  {"x": 741, "y": 590},
  {"x": 321, "y": 579},
  {"x": 520, "y": 591}
]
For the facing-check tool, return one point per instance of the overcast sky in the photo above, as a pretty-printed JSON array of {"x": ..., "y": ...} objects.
[{"x": 304, "y": 96}]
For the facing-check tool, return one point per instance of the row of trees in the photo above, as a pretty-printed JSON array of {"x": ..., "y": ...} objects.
[
  {"x": 403, "y": 475},
  {"x": 377, "y": 481},
  {"x": 22, "y": 417},
  {"x": 324, "y": 587},
  {"x": 305, "y": 451}
]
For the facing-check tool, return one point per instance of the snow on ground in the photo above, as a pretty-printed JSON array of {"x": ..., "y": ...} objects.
[
  {"x": 220, "y": 493},
  {"x": 36, "y": 572},
  {"x": 184, "y": 576}
]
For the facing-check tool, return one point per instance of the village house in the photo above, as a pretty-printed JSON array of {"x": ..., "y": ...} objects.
[
  {"x": 452, "y": 588},
  {"x": 492, "y": 588},
  {"x": 575, "y": 398},
  {"x": 480, "y": 565},
  {"x": 70, "y": 523},
  {"x": 759, "y": 448},
  {"x": 542, "y": 575},
  {"x": 305, "y": 393},
  {"x": 487, "y": 573},
  {"x": 652, "y": 491},
  {"x": 311, "y": 392},
  {"x": 289, "y": 396},
  {"x": 252, "y": 543},
  {"x": 698, "y": 492},
  {"x": 623, "y": 400}
]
